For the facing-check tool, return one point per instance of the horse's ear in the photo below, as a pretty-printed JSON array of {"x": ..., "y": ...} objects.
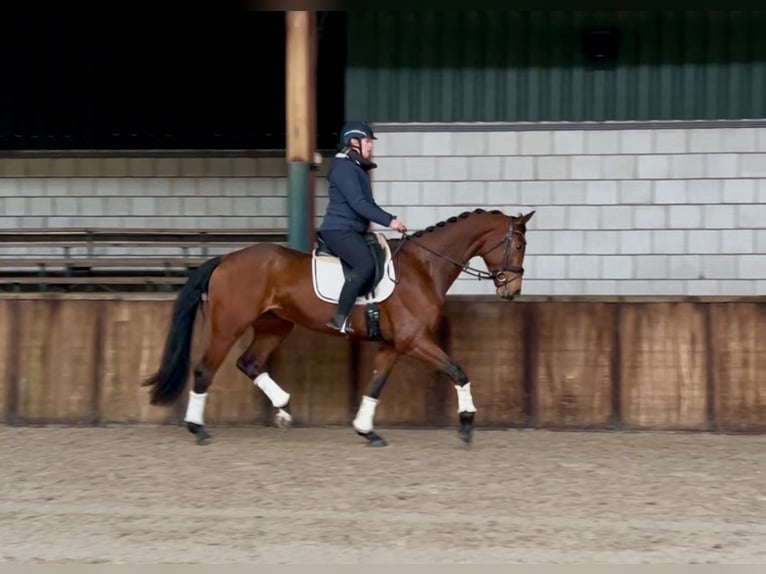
[{"x": 524, "y": 218}]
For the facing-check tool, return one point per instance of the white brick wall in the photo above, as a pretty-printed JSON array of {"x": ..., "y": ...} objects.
[
  {"x": 143, "y": 202},
  {"x": 195, "y": 193},
  {"x": 175, "y": 193},
  {"x": 626, "y": 212}
]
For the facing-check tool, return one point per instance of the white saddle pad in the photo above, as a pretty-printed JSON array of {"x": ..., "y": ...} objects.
[{"x": 328, "y": 278}]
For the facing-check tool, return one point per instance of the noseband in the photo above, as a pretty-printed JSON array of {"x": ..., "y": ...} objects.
[{"x": 500, "y": 276}]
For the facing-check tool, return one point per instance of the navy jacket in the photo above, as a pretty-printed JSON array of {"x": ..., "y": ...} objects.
[{"x": 351, "y": 206}]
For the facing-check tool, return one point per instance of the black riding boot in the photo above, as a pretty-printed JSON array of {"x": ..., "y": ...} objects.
[{"x": 346, "y": 300}]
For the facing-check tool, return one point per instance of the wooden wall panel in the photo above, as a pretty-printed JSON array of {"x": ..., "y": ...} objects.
[
  {"x": 663, "y": 365},
  {"x": 131, "y": 347},
  {"x": 672, "y": 365},
  {"x": 57, "y": 361},
  {"x": 6, "y": 368},
  {"x": 488, "y": 340},
  {"x": 572, "y": 363},
  {"x": 738, "y": 333},
  {"x": 135, "y": 333},
  {"x": 314, "y": 368}
]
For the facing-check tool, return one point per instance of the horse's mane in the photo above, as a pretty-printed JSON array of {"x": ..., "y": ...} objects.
[{"x": 453, "y": 219}]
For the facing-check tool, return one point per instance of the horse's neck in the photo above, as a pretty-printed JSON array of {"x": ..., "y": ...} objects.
[{"x": 457, "y": 243}]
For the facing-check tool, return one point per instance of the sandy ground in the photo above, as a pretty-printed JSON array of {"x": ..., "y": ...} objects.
[{"x": 150, "y": 495}]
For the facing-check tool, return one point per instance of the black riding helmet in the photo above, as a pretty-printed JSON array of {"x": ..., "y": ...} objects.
[{"x": 355, "y": 129}]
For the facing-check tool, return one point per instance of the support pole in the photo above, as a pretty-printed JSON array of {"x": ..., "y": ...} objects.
[
  {"x": 300, "y": 80},
  {"x": 313, "y": 63}
]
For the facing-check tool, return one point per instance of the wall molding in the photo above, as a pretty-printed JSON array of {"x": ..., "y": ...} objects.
[{"x": 388, "y": 127}]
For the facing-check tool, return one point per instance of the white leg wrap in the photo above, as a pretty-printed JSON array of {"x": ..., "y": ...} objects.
[
  {"x": 363, "y": 420},
  {"x": 464, "y": 399},
  {"x": 271, "y": 389},
  {"x": 195, "y": 409}
]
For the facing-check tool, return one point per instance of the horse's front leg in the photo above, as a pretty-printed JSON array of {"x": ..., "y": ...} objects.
[
  {"x": 363, "y": 423},
  {"x": 269, "y": 331},
  {"x": 427, "y": 350}
]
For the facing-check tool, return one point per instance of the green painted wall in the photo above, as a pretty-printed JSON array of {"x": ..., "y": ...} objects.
[{"x": 446, "y": 66}]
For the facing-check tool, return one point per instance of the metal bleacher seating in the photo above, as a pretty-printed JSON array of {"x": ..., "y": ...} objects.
[{"x": 114, "y": 259}]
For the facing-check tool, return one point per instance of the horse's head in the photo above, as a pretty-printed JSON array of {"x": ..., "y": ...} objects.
[{"x": 503, "y": 253}]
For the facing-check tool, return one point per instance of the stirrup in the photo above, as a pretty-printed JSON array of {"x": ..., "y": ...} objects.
[{"x": 345, "y": 327}]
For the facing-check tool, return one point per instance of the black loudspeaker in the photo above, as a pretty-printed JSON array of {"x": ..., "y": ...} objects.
[{"x": 601, "y": 45}]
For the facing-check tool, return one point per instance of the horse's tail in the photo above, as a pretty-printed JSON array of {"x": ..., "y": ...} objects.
[{"x": 168, "y": 382}]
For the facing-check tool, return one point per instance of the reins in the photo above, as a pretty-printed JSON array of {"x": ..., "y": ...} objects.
[{"x": 465, "y": 268}]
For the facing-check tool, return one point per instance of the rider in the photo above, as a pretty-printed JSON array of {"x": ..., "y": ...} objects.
[{"x": 350, "y": 211}]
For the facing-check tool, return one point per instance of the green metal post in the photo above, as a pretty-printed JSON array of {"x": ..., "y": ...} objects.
[{"x": 298, "y": 211}]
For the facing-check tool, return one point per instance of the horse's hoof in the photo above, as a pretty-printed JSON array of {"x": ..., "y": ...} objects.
[
  {"x": 373, "y": 438},
  {"x": 465, "y": 431},
  {"x": 203, "y": 437},
  {"x": 283, "y": 419}
]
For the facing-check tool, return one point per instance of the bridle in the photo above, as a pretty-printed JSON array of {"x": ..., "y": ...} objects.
[{"x": 500, "y": 276}]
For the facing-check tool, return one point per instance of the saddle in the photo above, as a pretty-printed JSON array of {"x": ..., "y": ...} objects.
[{"x": 329, "y": 273}]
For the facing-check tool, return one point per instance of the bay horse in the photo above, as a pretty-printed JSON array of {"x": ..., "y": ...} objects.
[{"x": 269, "y": 287}]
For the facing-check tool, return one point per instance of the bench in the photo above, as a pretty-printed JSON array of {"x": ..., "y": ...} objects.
[
  {"x": 182, "y": 238},
  {"x": 71, "y": 259}
]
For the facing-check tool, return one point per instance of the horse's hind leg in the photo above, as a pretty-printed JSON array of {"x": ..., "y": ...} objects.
[
  {"x": 269, "y": 331},
  {"x": 220, "y": 344},
  {"x": 384, "y": 362}
]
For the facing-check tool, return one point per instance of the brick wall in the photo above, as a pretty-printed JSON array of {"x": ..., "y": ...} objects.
[
  {"x": 195, "y": 193},
  {"x": 666, "y": 211},
  {"x": 619, "y": 211}
]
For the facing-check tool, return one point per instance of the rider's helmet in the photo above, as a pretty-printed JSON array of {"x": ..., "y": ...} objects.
[{"x": 355, "y": 129}]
